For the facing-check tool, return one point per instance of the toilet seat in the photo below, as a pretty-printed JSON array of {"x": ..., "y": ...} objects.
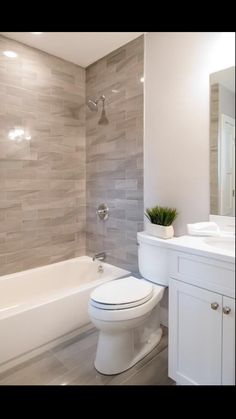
[
  {"x": 121, "y": 294},
  {"x": 127, "y": 313}
]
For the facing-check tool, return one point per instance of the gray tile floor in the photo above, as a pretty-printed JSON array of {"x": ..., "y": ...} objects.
[{"x": 71, "y": 363}]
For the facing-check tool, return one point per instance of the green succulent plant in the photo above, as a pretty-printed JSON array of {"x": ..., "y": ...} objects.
[{"x": 163, "y": 216}]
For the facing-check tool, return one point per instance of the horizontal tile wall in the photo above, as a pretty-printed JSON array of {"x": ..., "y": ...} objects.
[
  {"x": 42, "y": 180},
  {"x": 114, "y": 154}
]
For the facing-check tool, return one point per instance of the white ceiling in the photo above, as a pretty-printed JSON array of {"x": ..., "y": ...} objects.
[{"x": 82, "y": 48}]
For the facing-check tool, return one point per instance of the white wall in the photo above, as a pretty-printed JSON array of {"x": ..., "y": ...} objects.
[{"x": 176, "y": 133}]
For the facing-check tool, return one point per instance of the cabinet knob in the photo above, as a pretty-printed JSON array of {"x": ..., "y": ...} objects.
[
  {"x": 214, "y": 306},
  {"x": 226, "y": 310}
]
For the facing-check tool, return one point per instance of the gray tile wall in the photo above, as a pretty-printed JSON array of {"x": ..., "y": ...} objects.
[
  {"x": 42, "y": 181},
  {"x": 114, "y": 155}
]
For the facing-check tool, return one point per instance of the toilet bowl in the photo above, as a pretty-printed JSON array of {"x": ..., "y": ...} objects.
[{"x": 126, "y": 311}]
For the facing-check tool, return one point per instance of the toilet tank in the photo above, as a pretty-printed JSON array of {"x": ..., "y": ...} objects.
[{"x": 153, "y": 258}]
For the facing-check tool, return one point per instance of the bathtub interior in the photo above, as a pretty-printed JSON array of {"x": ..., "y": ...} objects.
[{"x": 53, "y": 281}]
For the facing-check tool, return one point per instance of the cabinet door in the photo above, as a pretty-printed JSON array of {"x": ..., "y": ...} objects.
[
  {"x": 228, "y": 353},
  {"x": 195, "y": 334}
]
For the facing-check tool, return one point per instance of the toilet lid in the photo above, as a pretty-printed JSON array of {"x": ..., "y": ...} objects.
[{"x": 121, "y": 293}]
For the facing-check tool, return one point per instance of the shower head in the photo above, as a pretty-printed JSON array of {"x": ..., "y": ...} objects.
[
  {"x": 103, "y": 119},
  {"x": 93, "y": 106}
]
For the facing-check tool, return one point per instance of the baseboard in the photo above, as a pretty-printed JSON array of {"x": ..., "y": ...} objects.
[
  {"x": 164, "y": 316},
  {"x": 35, "y": 352}
]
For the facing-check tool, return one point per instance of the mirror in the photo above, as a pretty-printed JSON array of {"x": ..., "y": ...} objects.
[{"x": 222, "y": 142}]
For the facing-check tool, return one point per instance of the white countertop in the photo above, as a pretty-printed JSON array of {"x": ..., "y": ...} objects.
[{"x": 199, "y": 245}]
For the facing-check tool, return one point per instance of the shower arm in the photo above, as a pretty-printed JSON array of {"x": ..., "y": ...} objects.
[{"x": 102, "y": 97}]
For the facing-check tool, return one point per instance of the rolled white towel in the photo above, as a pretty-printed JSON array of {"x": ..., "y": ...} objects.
[{"x": 206, "y": 228}]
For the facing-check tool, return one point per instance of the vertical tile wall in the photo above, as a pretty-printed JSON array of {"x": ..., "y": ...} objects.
[
  {"x": 114, "y": 154},
  {"x": 42, "y": 180}
]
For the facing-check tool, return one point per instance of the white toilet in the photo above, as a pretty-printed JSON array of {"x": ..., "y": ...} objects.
[{"x": 127, "y": 311}]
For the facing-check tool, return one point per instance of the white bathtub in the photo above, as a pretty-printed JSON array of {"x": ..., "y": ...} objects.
[{"x": 40, "y": 305}]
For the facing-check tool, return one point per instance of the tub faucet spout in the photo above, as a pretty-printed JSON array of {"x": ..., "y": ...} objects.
[{"x": 99, "y": 256}]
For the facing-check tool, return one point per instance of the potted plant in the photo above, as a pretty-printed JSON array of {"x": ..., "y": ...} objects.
[{"x": 161, "y": 219}]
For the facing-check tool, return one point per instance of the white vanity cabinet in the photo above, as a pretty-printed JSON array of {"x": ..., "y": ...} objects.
[{"x": 201, "y": 320}]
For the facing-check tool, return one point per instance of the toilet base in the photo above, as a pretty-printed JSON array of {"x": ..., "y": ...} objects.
[{"x": 117, "y": 352}]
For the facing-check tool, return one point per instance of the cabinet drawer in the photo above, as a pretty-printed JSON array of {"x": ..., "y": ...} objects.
[{"x": 204, "y": 272}]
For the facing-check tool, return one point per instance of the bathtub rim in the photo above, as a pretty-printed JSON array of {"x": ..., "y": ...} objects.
[
  {"x": 39, "y": 301},
  {"x": 34, "y": 303},
  {"x": 61, "y": 262}
]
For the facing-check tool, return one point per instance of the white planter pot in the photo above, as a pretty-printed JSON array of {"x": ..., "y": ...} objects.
[{"x": 160, "y": 231}]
